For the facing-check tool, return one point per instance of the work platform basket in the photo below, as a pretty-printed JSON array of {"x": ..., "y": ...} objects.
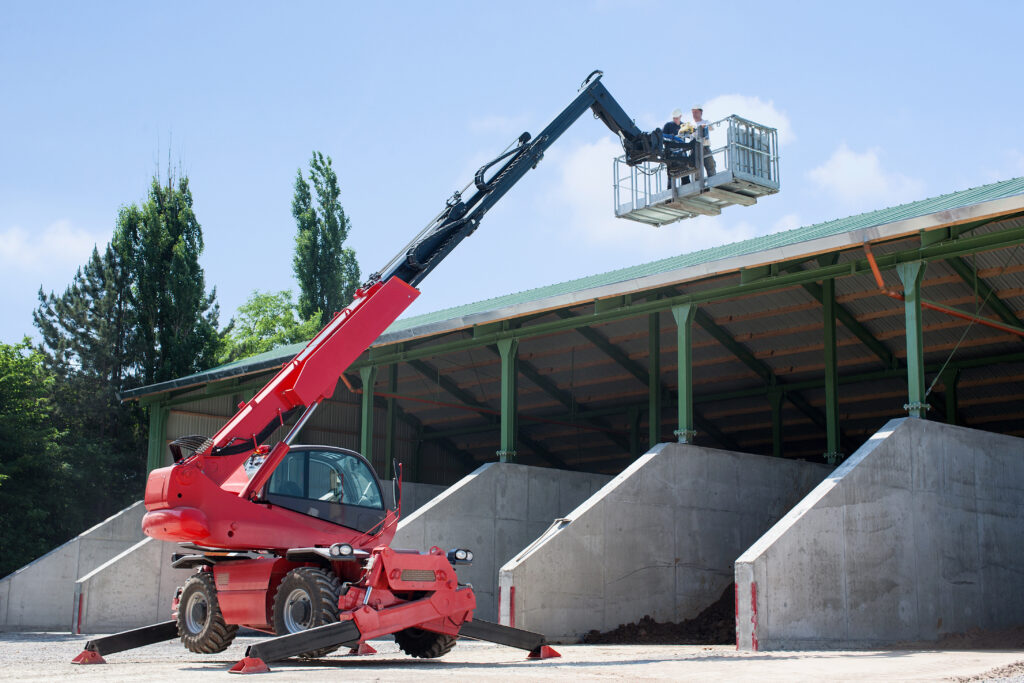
[{"x": 747, "y": 168}]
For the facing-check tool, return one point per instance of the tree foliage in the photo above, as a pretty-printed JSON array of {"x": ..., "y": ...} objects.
[
  {"x": 267, "y": 320},
  {"x": 136, "y": 313},
  {"x": 31, "y": 491},
  {"x": 175, "y": 319},
  {"x": 327, "y": 270}
]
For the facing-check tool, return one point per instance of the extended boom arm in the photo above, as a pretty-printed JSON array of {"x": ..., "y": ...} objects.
[{"x": 313, "y": 374}]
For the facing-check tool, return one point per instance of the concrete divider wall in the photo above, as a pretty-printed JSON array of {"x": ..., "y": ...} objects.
[
  {"x": 40, "y": 595},
  {"x": 133, "y": 589},
  {"x": 495, "y": 511},
  {"x": 918, "y": 534},
  {"x": 659, "y": 539}
]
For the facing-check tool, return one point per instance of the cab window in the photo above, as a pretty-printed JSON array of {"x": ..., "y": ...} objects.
[{"x": 332, "y": 485}]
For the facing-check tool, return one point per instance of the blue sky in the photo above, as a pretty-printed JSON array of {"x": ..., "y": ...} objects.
[{"x": 877, "y": 104}]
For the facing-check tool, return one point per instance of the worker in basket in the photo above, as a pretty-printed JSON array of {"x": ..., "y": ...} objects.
[{"x": 679, "y": 147}]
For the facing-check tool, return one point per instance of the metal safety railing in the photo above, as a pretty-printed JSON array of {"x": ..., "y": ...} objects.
[{"x": 750, "y": 153}]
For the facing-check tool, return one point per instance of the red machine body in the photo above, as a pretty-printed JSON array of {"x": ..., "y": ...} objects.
[{"x": 208, "y": 498}]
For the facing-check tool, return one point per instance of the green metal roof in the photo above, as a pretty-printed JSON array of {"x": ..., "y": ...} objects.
[{"x": 923, "y": 207}]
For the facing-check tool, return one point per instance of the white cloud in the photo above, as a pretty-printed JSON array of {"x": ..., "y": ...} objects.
[
  {"x": 499, "y": 125},
  {"x": 753, "y": 108},
  {"x": 856, "y": 177},
  {"x": 584, "y": 193},
  {"x": 57, "y": 245},
  {"x": 787, "y": 222}
]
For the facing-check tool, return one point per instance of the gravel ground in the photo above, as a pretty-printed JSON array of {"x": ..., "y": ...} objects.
[{"x": 46, "y": 656}]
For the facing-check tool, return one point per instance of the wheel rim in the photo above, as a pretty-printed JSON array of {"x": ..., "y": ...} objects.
[
  {"x": 197, "y": 613},
  {"x": 298, "y": 611}
]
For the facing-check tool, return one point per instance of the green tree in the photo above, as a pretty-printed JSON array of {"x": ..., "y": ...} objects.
[
  {"x": 175, "y": 319},
  {"x": 265, "y": 321},
  {"x": 31, "y": 495},
  {"x": 88, "y": 336},
  {"x": 327, "y": 270}
]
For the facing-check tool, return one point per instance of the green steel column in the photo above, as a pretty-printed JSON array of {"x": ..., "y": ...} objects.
[
  {"x": 368, "y": 375},
  {"x": 507, "y": 348},
  {"x": 828, "y": 301},
  {"x": 389, "y": 434},
  {"x": 157, "y": 436},
  {"x": 950, "y": 377},
  {"x": 684, "y": 338},
  {"x": 911, "y": 274},
  {"x": 775, "y": 396},
  {"x": 653, "y": 379}
]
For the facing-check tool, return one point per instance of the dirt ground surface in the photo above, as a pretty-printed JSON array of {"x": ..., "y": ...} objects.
[{"x": 42, "y": 656}]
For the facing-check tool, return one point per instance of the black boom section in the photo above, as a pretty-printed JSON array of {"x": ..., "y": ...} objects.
[
  {"x": 502, "y": 635},
  {"x": 344, "y": 633},
  {"x": 128, "y": 640}
]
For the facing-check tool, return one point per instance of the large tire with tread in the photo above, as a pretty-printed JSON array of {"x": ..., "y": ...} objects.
[
  {"x": 418, "y": 642},
  {"x": 201, "y": 624},
  {"x": 307, "y": 597}
]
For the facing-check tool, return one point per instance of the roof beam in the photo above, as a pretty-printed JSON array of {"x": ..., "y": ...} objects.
[
  {"x": 851, "y": 323},
  {"x": 640, "y": 372},
  {"x": 703, "y": 318},
  {"x": 985, "y": 291},
  {"x": 549, "y": 387},
  {"x": 467, "y": 398}
]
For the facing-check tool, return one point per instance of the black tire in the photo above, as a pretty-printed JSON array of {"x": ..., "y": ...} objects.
[
  {"x": 417, "y": 642},
  {"x": 307, "y": 597},
  {"x": 201, "y": 625}
]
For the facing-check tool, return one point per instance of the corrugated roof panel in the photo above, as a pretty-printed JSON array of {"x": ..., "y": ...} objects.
[{"x": 947, "y": 202}]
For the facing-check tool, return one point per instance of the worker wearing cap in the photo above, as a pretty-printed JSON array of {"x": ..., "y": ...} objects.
[{"x": 702, "y": 128}]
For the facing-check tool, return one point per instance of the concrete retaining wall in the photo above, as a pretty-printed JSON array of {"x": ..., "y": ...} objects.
[
  {"x": 133, "y": 589},
  {"x": 659, "y": 539},
  {"x": 495, "y": 511},
  {"x": 918, "y": 534},
  {"x": 40, "y": 595}
]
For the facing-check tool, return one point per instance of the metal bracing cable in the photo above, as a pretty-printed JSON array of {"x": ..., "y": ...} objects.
[{"x": 977, "y": 310}]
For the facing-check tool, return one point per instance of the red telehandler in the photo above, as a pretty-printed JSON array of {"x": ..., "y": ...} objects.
[{"x": 301, "y": 549}]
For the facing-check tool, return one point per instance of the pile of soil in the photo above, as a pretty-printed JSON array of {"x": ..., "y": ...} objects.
[{"x": 716, "y": 625}]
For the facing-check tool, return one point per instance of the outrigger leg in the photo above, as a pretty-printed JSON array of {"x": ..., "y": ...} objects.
[
  {"x": 126, "y": 640},
  {"x": 346, "y": 633}
]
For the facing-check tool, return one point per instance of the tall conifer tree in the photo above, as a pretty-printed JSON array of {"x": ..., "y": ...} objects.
[{"x": 327, "y": 270}]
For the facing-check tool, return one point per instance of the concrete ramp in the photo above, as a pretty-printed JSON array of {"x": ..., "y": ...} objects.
[
  {"x": 659, "y": 539},
  {"x": 920, "y": 533},
  {"x": 40, "y": 595},
  {"x": 495, "y": 511}
]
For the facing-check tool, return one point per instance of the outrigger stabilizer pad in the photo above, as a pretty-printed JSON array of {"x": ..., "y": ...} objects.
[
  {"x": 249, "y": 665},
  {"x": 363, "y": 649},
  {"x": 543, "y": 652},
  {"x": 89, "y": 657}
]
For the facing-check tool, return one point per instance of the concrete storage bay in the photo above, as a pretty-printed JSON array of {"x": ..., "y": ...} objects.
[
  {"x": 918, "y": 534},
  {"x": 659, "y": 539}
]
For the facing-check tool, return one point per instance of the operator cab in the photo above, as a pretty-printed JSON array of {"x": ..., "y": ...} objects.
[{"x": 333, "y": 484}]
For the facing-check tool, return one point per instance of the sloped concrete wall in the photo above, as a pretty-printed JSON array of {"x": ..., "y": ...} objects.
[
  {"x": 495, "y": 511},
  {"x": 40, "y": 595},
  {"x": 920, "y": 533},
  {"x": 133, "y": 589},
  {"x": 659, "y": 539}
]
